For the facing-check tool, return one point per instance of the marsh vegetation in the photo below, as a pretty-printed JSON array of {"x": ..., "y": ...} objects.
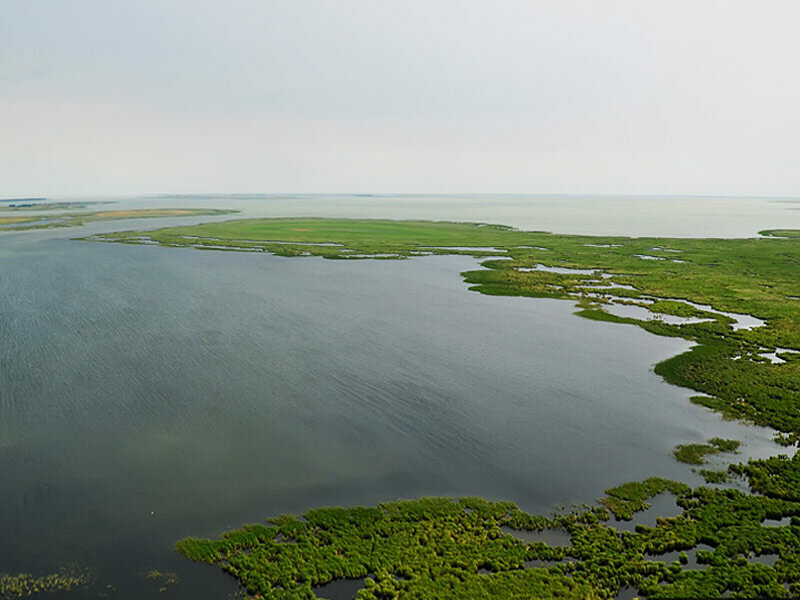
[
  {"x": 740, "y": 295},
  {"x": 466, "y": 548}
]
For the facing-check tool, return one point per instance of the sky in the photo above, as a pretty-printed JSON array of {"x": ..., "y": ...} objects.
[{"x": 412, "y": 96}]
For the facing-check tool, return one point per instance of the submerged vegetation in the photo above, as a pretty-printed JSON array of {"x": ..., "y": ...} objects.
[
  {"x": 162, "y": 580},
  {"x": 24, "y": 584},
  {"x": 738, "y": 300},
  {"x": 74, "y": 219}
]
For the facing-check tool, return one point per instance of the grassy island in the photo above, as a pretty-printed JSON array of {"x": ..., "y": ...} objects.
[
  {"x": 695, "y": 454},
  {"x": 737, "y": 299}
]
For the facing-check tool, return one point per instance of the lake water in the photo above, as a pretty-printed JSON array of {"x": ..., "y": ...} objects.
[{"x": 150, "y": 393}]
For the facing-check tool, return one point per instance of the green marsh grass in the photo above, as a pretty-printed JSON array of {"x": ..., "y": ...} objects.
[{"x": 439, "y": 547}]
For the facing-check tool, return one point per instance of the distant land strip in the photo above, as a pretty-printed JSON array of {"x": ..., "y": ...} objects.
[{"x": 74, "y": 219}]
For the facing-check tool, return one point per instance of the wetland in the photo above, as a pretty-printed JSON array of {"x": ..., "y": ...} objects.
[{"x": 157, "y": 393}]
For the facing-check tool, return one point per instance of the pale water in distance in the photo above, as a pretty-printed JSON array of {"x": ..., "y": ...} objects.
[{"x": 669, "y": 216}]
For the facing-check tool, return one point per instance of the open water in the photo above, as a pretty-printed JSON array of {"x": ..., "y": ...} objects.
[{"x": 147, "y": 393}]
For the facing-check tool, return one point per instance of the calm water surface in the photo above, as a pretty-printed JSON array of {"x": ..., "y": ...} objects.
[{"x": 151, "y": 393}]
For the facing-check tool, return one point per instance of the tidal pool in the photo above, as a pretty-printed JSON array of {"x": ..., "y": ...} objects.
[{"x": 148, "y": 393}]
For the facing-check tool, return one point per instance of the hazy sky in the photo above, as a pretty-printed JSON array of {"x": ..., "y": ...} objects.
[{"x": 569, "y": 96}]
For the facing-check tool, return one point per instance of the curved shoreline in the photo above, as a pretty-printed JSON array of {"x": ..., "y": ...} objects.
[{"x": 717, "y": 341}]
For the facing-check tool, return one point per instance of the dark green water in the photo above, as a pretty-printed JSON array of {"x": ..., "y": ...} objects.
[{"x": 151, "y": 393}]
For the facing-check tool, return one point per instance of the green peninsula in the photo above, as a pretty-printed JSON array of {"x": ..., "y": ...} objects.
[{"x": 738, "y": 300}]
